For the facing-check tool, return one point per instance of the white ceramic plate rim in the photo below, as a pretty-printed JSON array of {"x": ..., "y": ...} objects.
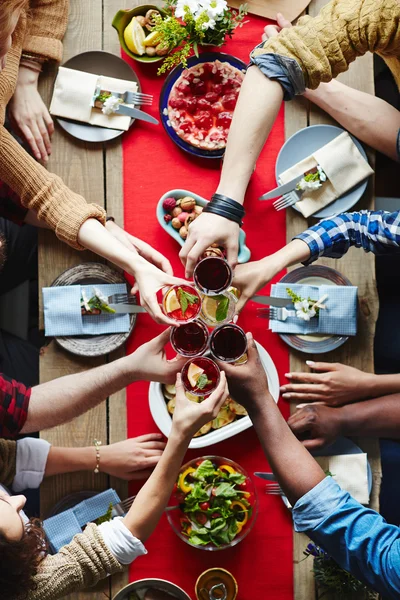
[{"x": 162, "y": 418}]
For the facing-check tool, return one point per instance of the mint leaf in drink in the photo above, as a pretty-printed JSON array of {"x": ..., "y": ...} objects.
[
  {"x": 222, "y": 309},
  {"x": 182, "y": 300},
  {"x": 186, "y": 299},
  {"x": 202, "y": 381}
]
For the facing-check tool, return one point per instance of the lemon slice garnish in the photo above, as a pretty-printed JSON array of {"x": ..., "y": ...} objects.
[
  {"x": 153, "y": 38},
  {"x": 134, "y": 37},
  {"x": 194, "y": 373},
  {"x": 209, "y": 307},
  {"x": 171, "y": 302}
]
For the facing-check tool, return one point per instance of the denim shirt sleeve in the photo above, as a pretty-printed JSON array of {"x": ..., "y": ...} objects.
[
  {"x": 374, "y": 231},
  {"x": 283, "y": 69},
  {"x": 358, "y": 538}
]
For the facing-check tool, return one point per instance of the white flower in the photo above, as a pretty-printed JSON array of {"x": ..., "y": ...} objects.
[
  {"x": 192, "y": 5},
  {"x": 321, "y": 173},
  {"x": 302, "y": 305},
  {"x": 210, "y": 24},
  {"x": 308, "y": 185},
  {"x": 111, "y": 105},
  {"x": 214, "y": 8}
]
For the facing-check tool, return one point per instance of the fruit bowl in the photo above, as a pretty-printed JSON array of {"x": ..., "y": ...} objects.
[
  {"x": 122, "y": 20},
  {"x": 244, "y": 253},
  {"x": 219, "y": 511}
]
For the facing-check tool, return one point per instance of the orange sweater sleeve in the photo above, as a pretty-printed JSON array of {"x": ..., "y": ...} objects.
[
  {"x": 54, "y": 203},
  {"x": 47, "y": 22}
]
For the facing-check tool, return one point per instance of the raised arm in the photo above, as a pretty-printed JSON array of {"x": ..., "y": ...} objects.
[
  {"x": 67, "y": 397},
  {"x": 100, "y": 551},
  {"x": 356, "y": 537}
]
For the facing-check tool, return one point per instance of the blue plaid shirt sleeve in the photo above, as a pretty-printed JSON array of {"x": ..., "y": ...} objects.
[
  {"x": 374, "y": 231},
  {"x": 356, "y": 537}
]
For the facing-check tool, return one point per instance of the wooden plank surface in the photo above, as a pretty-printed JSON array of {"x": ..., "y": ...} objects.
[{"x": 359, "y": 267}]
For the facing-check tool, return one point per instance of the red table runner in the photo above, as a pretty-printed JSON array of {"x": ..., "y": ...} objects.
[{"x": 263, "y": 562}]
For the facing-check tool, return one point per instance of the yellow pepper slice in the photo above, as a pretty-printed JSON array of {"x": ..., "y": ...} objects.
[
  {"x": 242, "y": 508},
  {"x": 182, "y": 484},
  {"x": 227, "y": 468}
]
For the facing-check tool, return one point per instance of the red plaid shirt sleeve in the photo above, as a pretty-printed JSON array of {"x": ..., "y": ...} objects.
[{"x": 14, "y": 402}]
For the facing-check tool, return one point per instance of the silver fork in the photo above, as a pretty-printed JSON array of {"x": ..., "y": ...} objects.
[
  {"x": 121, "y": 298},
  {"x": 274, "y": 489},
  {"x": 280, "y": 314},
  {"x": 134, "y": 98},
  {"x": 121, "y": 508},
  {"x": 287, "y": 200}
]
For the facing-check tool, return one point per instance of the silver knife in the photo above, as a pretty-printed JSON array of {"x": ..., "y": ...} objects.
[
  {"x": 266, "y": 476},
  {"x": 128, "y": 308},
  {"x": 271, "y": 300},
  {"x": 282, "y": 189},
  {"x": 135, "y": 113}
]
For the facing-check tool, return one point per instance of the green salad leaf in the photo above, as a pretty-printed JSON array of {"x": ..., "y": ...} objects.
[
  {"x": 227, "y": 490},
  {"x": 204, "y": 470}
]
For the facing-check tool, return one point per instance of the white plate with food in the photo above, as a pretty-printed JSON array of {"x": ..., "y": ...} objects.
[{"x": 232, "y": 419}]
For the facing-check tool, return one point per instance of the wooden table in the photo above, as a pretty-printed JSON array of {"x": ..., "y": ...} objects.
[{"x": 95, "y": 171}]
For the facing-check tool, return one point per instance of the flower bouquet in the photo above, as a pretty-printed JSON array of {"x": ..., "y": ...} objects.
[
  {"x": 193, "y": 23},
  {"x": 333, "y": 581}
]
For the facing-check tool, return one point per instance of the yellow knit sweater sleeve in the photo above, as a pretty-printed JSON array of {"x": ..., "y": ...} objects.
[
  {"x": 324, "y": 46},
  {"x": 45, "y": 193},
  {"x": 47, "y": 22},
  {"x": 8, "y": 461},
  {"x": 80, "y": 564}
]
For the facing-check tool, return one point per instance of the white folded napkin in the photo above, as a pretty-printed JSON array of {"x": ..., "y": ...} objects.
[
  {"x": 73, "y": 95},
  {"x": 344, "y": 166},
  {"x": 350, "y": 472}
]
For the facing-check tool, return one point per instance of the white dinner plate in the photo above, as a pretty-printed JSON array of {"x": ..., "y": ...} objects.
[{"x": 163, "y": 420}]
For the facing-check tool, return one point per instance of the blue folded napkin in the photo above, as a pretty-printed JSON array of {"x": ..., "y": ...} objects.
[
  {"x": 61, "y": 528},
  {"x": 62, "y": 311},
  {"x": 338, "y": 318}
]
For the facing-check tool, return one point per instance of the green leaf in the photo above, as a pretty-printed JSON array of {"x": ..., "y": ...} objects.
[
  {"x": 202, "y": 381},
  {"x": 186, "y": 299},
  {"x": 106, "y": 517},
  {"x": 197, "y": 540},
  {"x": 236, "y": 478},
  {"x": 222, "y": 309},
  {"x": 204, "y": 470},
  {"x": 196, "y": 49},
  {"x": 227, "y": 490}
]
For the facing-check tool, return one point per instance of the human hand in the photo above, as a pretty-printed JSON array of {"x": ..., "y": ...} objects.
[
  {"x": 148, "y": 281},
  {"x": 273, "y": 30},
  {"x": 132, "y": 459},
  {"x": 150, "y": 362},
  {"x": 251, "y": 277},
  {"x": 316, "y": 425},
  {"x": 248, "y": 382},
  {"x": 208, "y": 229},
  {"x": 142, "y": 248},
  {"x": 29, "y": 115},
  {"x": 190, "y": 416},
  {"x": 334, "y": 384}
]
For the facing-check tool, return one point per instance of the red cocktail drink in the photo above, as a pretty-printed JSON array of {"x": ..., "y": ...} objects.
[
  {"x": 200, "y": 376},
  {"x": 228, "y": 342},
  {"x": 212, "y": 275},
  {"x": 190, "y": 339},
  {"x": 182, "y": 303}
]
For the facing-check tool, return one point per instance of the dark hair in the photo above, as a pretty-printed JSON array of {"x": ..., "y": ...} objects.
[{"x": 20, "y": 560}]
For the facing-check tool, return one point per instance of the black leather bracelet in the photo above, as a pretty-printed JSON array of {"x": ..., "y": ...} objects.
[
  {"x": 229, "y": 201},
  {"x": 218, "y": 210},
  {"x": 228, "y": 208}
]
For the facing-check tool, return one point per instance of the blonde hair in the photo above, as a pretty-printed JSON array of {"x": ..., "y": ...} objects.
[{"x": 8, "y": 8}]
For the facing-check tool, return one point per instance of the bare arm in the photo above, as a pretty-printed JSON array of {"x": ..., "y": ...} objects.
[
  {"x": 293, "y": 466},
  {"x": 63, "y": 399},
  {"x": 152, "y": 499},
  {"x": 319, "y": 425},
  {"x": 255, "y": 113},
  {"x": 371, "y": 119}
]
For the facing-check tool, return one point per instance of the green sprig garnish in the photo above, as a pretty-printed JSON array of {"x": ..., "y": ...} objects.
[
  {"x": 186, "y": 299},
  {"x": 106, "y": 517},
  {"x": 202, "y": 381},
  {"x": 222, "y": 308},
  {"x": 103, "y": 97}
]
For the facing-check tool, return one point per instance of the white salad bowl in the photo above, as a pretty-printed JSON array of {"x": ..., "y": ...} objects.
[{"x": 163, "y": 420}]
